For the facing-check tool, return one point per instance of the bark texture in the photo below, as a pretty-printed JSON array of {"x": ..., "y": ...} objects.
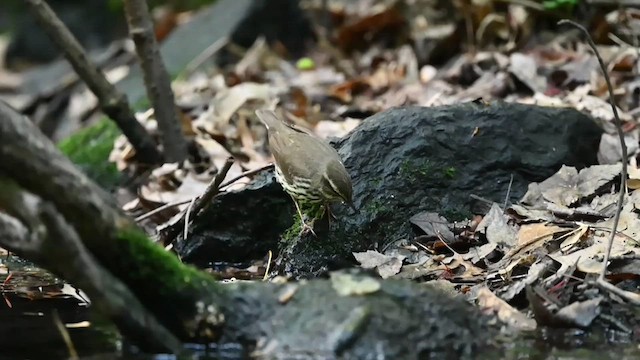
[{"x": 156, "y": 79}]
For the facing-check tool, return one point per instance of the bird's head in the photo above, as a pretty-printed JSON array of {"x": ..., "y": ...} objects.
[{"x": 337, "y": 183}]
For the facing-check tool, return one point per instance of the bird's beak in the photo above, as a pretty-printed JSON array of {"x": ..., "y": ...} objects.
[{"x": 353, "y": 207}]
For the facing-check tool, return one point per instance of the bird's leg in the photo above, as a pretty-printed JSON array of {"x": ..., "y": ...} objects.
[
  {"x": 327, "y": 209},
  {"x": 305, "y": 227}
]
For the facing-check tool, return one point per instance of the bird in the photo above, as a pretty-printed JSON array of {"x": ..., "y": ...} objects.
[{"x": 307, "y": 167}]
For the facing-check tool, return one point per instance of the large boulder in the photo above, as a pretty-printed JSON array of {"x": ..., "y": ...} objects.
[{"x": 402, "y": 161}]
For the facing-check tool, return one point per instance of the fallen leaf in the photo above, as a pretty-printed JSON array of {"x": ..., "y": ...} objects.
[
  {"x": 532, "y": 236},
  {"x": 386, "y": 265},
  {"x": 433, "y": 225},
  {"x": 574, "y": 237},
  {"x": 348, "y": 284},
  {"x": 490, "y": 303},
  {"x": 580, "y": 313},
  {"x": 568, "y": 186},
  {"x": 496, "y": 227},
  {"x": 525, "y": 68}
]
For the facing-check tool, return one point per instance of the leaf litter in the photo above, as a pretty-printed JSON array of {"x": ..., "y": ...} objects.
[{"x": 534, "y": 251}]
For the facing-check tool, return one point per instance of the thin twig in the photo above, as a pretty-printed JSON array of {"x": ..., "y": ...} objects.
[
  {"x": 186, "y": 218},
  {"x": 182, "y": 202},
  {"x": 163, "y": 208},
  {"x": 268, "y": 268},
  {"x": 200, "y": 203},
  {"x": 73, "y": 354},
  {"x": 506, "y": 198},
  {"x": 480, "y": 198},
  {"x": 203, "y": 56},
  {"x": 627, "y": 295},
  {"x": 213, "y": 189},
  {"x": 618, "y": 124},
  {"x": 246, "y": 173}
]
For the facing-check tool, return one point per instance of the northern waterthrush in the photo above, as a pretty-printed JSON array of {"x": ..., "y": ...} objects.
[{"x": 308, "y": 168}]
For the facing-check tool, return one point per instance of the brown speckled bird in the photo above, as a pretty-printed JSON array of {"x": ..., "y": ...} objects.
[{"x": 307, "y": 167}]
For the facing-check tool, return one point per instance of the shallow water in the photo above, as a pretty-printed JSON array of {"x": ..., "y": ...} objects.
[{"x": 31, "y": 298}]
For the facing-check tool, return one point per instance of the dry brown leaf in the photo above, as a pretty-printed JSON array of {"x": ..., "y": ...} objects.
[
  {"x": 574, "y": 237},
  {"x": 227, "y": 102},
  {"x": 491, "y": 304},
  {"x": 360, "y": 32},
  {"x": 478, "y": 253},
  {"x": 454, "y": 262},
  {"x": 532, "y": 236},
  {"x": 609, "y": 150}
]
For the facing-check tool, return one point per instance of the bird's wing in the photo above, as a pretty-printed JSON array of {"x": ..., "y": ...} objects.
[{"x": 283, "y": 146}]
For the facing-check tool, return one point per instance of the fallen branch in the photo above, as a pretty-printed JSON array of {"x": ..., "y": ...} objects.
[{"x": 30, "y": 160}]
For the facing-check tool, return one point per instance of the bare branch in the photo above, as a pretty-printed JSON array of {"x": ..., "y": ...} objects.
[
  {"x": 623, "y": 145},
  {"x": 156, "y": 79},
  {"x": 112, "y": 102}
]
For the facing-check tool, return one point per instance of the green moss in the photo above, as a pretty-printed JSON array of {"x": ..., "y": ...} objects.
[
  {"x": 377, "y": 207},
  {"x": 166, "y": 286},
  {"x": 563, "y": 5},
  {"x": 311, "y": 212},
  {"x": 292, "y": 232},
  {"x": 415, "y": 172},
  {"x": 449, "y": 172},
  {"x": 376, "y": 182},
  {"x": 152, "y": 261},
  {"x": 89, "y": 149}
]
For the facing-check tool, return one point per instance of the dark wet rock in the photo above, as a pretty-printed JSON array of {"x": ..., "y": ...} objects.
[
  {"x": 402, "y": 320},
  {"x": 241, "y": 225},
  {"x": 404, "y": 161}
]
